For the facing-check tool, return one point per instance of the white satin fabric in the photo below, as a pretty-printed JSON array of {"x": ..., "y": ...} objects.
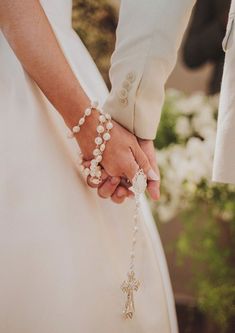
[{"x": 63, "y": 251}]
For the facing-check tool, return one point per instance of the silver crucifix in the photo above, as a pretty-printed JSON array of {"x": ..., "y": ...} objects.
[{"x": 128, "y": 287}]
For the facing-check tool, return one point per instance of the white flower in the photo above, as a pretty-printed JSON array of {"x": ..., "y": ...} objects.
[
  {"x": 183, "y": 167},
  {"x": 204, "y": 121},
  {"x": 191, "y": 104},
  {"x": 214, "y": 101},
  {"x": 173, "y": 94},
  {"x": 183, "y": 127}
]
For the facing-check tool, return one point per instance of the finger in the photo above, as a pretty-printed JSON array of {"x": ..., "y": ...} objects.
[
  {"x": 104, "y": 176},
  {"x": 119, "y": 192},
  {"x": 150, "y": 152},
  {"x": 153, "y": 189},
  {"x": 131, "y": 167},
  {"x": 109, "y": 186},
  {"x": 125, "y": 183},
  {"x": 153, "y": 186},
  {"x": 142, "y": 160},
  {"x": 120, "y": 195}
]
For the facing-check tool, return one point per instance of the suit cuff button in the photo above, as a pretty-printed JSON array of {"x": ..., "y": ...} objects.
[{"x": 131, "y": 77}]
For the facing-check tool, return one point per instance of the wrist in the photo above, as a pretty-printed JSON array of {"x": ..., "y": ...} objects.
[
  {"x": 92, "y": 133},
  {"x": 86, "y": 136},
  {"x": 74, "y": 110},
  {"x": 84, "y": 128}
]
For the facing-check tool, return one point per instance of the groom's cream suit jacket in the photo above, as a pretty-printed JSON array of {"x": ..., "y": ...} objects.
[
  {"x": 149, "y": 34},
  {"x": 224, "y": 161}
]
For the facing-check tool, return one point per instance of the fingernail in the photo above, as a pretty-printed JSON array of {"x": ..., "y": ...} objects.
[{"x": 152, "y": 175}]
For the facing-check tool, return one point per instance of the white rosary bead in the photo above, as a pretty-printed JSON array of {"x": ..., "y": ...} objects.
[
  {"x": 107, "y": 116},
  {"x": 92, "y": 173},
  {"x": 102, "y": 118},
  {"x": 106, "y": 137},
  {"x": 81, "y": 121},
  {"x": 88, "y": 111},
  {"x": 102, "y": 147},
  {"x": 76, "y": 129},
  {"x": 109, "y": 125},
  {"x": 96, "y": 152},
  {"x": 132, "y": 255},
  {"x": 87, "y": 171},
  {"x": 98, "y": 159},
  {"x": 95, "y": 181},
  {"x": 98, "y": 140},
  {"x": 98, "y": 173},
  {"x": 100, "y": 129},
  {"x": 82, "y": 168},
  {"x": 93, "y": 167}
]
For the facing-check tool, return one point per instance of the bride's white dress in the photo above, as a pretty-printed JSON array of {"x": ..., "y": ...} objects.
[{"x": 63, "y": 251}]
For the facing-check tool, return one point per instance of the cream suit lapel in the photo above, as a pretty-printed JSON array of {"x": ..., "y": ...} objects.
[{"x": 224, "y": 160}]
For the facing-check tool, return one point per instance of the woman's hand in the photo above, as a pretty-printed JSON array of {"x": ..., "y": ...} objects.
[
  {"x": 120, "y": 191},
  {"x": 121, "y": 160}
]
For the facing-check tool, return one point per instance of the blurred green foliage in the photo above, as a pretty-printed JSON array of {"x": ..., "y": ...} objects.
[
  {"x": 166, "y": 134},
  {"x": 95, "y": 22},
  {"x": 210, "y": 245},
  {"x": 207, "y": 237}
]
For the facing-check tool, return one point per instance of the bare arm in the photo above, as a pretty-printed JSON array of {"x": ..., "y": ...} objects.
[{"x": 30, "y": 35}]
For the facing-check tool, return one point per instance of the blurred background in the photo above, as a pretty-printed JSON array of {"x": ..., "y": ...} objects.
[{"x": 195, "y": 217}]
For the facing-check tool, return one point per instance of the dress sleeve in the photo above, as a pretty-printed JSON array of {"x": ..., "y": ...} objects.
[{"x": 148, "y": 37}]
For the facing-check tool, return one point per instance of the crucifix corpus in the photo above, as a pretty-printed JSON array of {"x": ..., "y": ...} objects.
[{"x": 128, "y": 287}]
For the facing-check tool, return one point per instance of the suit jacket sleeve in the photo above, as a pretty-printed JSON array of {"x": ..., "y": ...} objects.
[{"x": 148, "y": 36}]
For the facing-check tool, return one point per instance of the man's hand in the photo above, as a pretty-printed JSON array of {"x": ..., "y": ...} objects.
[
  {"x": 116, "y": 188},
  {"x": 153, "y": 187}
]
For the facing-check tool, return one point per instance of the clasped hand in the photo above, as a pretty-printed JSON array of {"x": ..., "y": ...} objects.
[{"x": 123, "y": 157}]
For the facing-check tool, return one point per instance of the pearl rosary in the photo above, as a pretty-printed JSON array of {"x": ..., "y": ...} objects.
[
  {"x": 139, "y": 184},
  {"x": 104, "y": 127}
]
